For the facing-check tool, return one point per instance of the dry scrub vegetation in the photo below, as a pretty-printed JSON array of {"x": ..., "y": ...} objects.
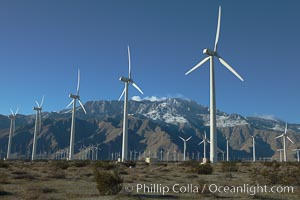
[{"x": 94, "y": 180}]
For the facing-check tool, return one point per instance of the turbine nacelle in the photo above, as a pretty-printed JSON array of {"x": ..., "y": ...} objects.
[
  {"x": 209, "y": 52},
  {"x": 74, "y": 96},
  {"x": 37, "y": 108},
  {"x": 11, "y": 116},
  {"x": 126, "y": 80}
]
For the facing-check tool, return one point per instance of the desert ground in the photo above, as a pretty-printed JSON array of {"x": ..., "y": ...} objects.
[{"x": 173, "y": 180}]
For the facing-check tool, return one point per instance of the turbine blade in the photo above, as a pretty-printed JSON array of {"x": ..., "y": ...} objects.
[
  {"x": 129, "y": 63},
  {"x": 218, "y": 30},
  {"x": 285, "y": 128},
  {"x": 78, "y": 82},
  {"x": 201, "y": 142},
  {"x": 198, "y": 65},
  {"x": 208, "y": 141},
  {"x": 230, "y": 68},
  {"x": 137, "y": 87},
  {"x": 11, "y": 112},
  {"x": 181, "y": 138},
  {"x": 82, "y": 106},
  {"x": 70, "y": 104},
  {"x": 122, "y": 94},
  {"x": 289, "y": 139},
  {"x": 14, "y": 127},
  {"x": 189, "y": 138},
  {"x": 42, "y": 102},
  {"x": 17, "y": 111},
  {"x": 40, "y": 121},
  {"x": 37, "y": 103},
  {"x": 279, "y": 136}
]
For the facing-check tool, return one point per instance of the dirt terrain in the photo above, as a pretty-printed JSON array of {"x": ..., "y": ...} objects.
[{"x": 76, "y": 180}]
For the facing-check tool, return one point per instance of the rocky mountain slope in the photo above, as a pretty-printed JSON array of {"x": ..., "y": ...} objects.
[{"x": 154, "y": 126}]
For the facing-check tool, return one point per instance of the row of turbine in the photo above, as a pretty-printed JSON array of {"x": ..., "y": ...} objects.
[
  {"x": 38, "y": 123},
  {"x": 128, "y": 80}
]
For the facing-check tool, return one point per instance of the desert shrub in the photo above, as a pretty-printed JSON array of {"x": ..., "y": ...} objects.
[
  {"x": 204, "y": 169},
  {"x": 58, "y": 173},
  {"x": 81, "y": 163},
  {"x": 38, "y": 193},
  {"x": 274, "y": 164},
  {"x": 228, "y": 176},
  {"x": 276, "y": 174},
  {"x": 60, "y": 164},
  {"x": 4, "y": 178},
  {"x": 203, "y": 189},
  {"x": 108, "y": 182},
  {"x": 3, "y": 192},
  {"x": 3, "y": 164},
  {"x": 189, "y": 163},
  {"x": 229, "y": 167},
  {"x": 130, "y": 164},
  {"x": 107, "y": 165},
  {"x": 19, "y": 172}
]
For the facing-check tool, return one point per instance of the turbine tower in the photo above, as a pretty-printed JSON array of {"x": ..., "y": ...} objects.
[
  {"x": 204, "y": 141},
  {"x": 284, "y": 137},
  {"x": 126, "y": 81},
  {"x": 75, "y": 97},
  {"x": 297, "y": 151},
  {"x": 253, "y": 143},
  {"x": 38, "y": 126},
  {"x": 227, "y": 149},
  {"x": 12, "y": 118},
  {"x": 280, "y": 155},
  {"x": 210, "y": 56},
  {"x": 184, "y": 145}
]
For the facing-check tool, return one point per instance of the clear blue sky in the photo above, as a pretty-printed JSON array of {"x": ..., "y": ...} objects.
[{"x": 42, "y": 43}]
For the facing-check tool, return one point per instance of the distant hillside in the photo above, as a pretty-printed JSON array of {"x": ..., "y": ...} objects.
[{"x": 153, "y": 126}]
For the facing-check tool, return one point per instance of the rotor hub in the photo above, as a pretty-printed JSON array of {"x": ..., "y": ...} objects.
[
  {"x": 209, "y": 52},
  {"x": 37, "y": 108},
  {"x": 74, "y": 96},
  {"x": 126, "y": 80}
]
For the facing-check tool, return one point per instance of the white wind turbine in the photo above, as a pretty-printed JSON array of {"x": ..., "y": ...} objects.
[
  {"x": 284, "y": 137},
  {"x": 227, "y": 149},
  {"x": 12, "y": 118},
  {"x": 126, "y": 81},
  {"x": 38, "y": 126},
  {"x": 280, "y": 155},
  {"x": 297, "y": 151},
  {"x": 74, "y": 97},
  {"x": 204, "y": 141},
  {"x": 184, "y": 146},
  {"x": 210, "y": 56},
  {"x": 253, "y": 149}
]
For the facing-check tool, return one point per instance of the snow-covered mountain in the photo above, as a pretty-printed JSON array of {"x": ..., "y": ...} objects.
[{"x": 153, "y": 125}]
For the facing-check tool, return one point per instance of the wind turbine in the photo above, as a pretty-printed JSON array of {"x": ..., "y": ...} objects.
[
  {"x": 38, "y": 126},
  {"x": 298, "y": 157},
  {"x": 204, "y": 141},
  {"x": 126, "y": 81},
  {"x": 184, "y": 145},
  {"x": 227, "y": 149},
  {"x": 253, "y": 149},
  {"x": 280, "y": 155},
  {"x": 210, "y": 56},
  {"x": 12, "y": 118},
  {"x": 284, "y": 137},
  {"x": 74, "y": 97}
]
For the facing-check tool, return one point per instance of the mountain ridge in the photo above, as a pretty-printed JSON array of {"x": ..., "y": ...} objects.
[{"x": 153, "y": 126}]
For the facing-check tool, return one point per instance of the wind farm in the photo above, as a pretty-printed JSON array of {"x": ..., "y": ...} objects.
[{"x": 147, "y": 144}]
